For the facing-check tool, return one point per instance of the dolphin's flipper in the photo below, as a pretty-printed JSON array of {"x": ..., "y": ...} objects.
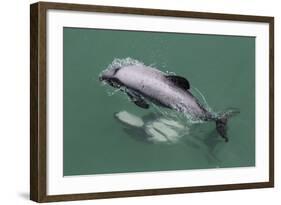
[
  {"x": 179, "y": 81},
  {"x": 137, "y": 99},
  {"x": 141, "y": 103}
]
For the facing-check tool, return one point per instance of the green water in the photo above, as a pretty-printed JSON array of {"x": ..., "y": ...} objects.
[{"x": 95, "y": 142}]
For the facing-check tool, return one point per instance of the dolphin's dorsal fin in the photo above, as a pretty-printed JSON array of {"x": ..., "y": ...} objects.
[
  {"x": 137, "y": 99},
  {"x": 179, "y": 81}
]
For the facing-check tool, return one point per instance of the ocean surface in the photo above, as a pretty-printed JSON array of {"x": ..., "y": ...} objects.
[{"x": 104, "y": 132}]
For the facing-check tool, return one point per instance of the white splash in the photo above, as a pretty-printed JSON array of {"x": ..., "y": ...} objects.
[{"x": 122, "y": 62}]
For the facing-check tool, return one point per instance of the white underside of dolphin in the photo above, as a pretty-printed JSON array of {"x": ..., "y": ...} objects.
[{"x": 159, "y": 130}]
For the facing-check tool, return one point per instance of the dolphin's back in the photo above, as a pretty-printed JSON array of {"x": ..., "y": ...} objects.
[{"x": 154, "y": 85}]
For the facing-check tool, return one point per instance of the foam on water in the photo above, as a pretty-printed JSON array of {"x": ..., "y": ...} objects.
[{"x": 122, "y": 62}]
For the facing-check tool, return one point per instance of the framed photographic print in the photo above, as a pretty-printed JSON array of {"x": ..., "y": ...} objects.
[{"x": 134, "y": 102}]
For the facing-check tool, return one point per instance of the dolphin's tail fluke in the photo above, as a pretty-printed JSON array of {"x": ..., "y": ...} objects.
[
  {"x": 221, "y": 122},
  {"x": 221, "y": 126}
]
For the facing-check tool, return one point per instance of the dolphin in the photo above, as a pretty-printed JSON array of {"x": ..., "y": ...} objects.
[{"x": 144, "y": 84}]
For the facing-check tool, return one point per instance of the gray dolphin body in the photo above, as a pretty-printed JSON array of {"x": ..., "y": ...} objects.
[{"x": 144, "y": 83}]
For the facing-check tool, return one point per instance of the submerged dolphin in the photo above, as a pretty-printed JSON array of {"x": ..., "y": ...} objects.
[{"x": 144, "y": 83}]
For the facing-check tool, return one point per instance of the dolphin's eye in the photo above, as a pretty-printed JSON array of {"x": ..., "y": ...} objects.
[{"x": 116, "y": 70}]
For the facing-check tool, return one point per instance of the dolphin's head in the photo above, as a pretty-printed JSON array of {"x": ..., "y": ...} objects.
[{"x": 109, "y": 76}]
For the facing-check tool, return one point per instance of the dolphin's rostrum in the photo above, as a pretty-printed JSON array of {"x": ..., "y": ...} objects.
[{"x": 145, "y": 84}]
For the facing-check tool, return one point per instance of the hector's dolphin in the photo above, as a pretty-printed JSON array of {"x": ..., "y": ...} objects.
[{"x": 144, "y": 84}]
